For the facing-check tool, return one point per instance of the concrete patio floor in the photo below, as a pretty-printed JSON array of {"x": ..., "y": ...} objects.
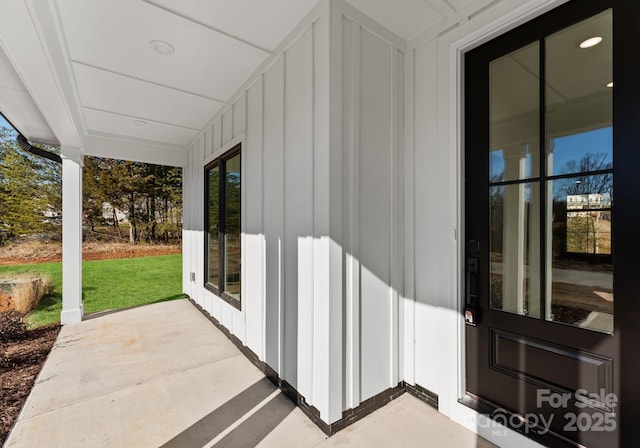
[{"x": 163, "y": 376}]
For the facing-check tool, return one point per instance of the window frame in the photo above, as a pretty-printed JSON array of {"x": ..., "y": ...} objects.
[{"x": 220, "y": 162}]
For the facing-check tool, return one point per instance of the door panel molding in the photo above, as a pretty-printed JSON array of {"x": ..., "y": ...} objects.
[{"x": 508, "y": 350}]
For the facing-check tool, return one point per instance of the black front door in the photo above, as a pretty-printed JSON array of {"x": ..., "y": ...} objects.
[{"x": 550, "y": 198}]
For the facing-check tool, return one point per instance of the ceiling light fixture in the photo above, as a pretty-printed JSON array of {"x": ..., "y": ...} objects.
[
  {"x": 610, "y": 84},
  {"x": 591, "y": 42},
  {"x": 139, "y": 122},
  {"x": 162, "y": 47}
]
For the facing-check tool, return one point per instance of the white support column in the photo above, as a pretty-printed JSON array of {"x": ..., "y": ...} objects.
[
  {"x": 72, "y": 307},
  {"x": 514, "y": 227},
  {"x": 548, "y": 267}
]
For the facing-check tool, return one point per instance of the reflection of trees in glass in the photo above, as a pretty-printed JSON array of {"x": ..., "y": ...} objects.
[
  {"x": 496, "y": 207},
  {"x": 232, "y": 226},
  {"x": 232, "y": 203},
  {"x": 213, "y": 200},
  {"x": 224, "y": 225},
  {"x": 586, "y": 200},
  {"x": 589, "y": 184},
  {"x": 213, "y": 226}
]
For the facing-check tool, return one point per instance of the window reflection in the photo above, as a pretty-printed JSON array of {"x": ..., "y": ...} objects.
[
  {"x": 571, "y": 188},
  {"x": 223, "y": 256},
  {"x": 580, "y": 271},
  {"x": 579, "y": 105},
  {"x": 579, "y": 129},
  {"x": 232, "y": 246},
  {"x": 515, "y": 242},
  {"x": 213, "y": 277},
  {"x": 515, "y": 115}
]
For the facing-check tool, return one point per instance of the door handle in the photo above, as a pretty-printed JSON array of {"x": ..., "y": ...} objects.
[{"x": 471, "y": 310}]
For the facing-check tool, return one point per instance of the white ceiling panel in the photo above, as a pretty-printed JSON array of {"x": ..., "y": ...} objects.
[
  {"x": 111, "y": 76},
  {"x": 107, "y": 122},
  {"x": 8, "y": 77},
  {"x": 406, "y": 18},
  {"x": 99, "y": 89},
  {"x": 458, "y": 4},
  {"x": 17, "y": 105},
  {"x": 264, "y": 23},
  {"x": 22, "y": 112},
  {"x": 115, "y": 34}
]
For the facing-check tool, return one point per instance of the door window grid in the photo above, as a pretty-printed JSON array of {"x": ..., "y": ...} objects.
[{"x": 576, "y": 197}]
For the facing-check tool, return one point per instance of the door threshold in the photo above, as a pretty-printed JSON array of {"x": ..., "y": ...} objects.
[{"x": 514, "y": 422}]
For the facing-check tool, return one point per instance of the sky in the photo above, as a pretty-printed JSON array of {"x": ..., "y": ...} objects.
[
  {"x": 4, "y": 123},
  {"x": 573, "y": 147}
]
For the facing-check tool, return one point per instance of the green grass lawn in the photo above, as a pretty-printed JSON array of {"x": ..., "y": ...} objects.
[{"x": 109, "y": 284}]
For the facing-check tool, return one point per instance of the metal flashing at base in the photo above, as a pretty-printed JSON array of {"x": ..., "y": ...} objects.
[{"x": 350, "y": 415}]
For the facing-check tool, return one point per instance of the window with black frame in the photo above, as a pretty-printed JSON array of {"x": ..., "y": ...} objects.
[{"x": 223, "y": 222}]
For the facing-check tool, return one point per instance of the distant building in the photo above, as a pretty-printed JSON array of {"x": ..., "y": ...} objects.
[{"x": 108, "y": 212}]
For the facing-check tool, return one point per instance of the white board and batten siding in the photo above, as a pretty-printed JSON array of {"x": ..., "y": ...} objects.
[
  {"x": 276, "y": 118},
  {"x": 320, "y": 126},
  {"x": 373, "y": 104},
  {"x": 208, "y": 145}
]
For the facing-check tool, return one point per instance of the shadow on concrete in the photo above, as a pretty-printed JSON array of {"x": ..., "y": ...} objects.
[{"x": 249, "y": 432}]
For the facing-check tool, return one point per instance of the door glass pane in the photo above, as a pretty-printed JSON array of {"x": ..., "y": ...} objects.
[
  {"x": 515, "y": 243},
  {"x": 580, "y": 268},
  {"x": 514, "y": 115},
  {"x": 579, "y": 116},
  {"x": 213, "y": 254},
  {"x": 232, "y": 227},
  {"x": 578, "y": 92}
]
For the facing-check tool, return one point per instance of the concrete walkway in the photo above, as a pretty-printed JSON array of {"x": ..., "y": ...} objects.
[{"x": 163, "y": 376}]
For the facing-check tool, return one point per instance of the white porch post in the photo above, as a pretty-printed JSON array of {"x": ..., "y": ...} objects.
[
  {"x": 72, "y": 307},
  {"x": 514, "y": 227}
]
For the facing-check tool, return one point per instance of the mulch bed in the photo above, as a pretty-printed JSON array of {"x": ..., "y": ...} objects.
[{"x": 20, "y": 363}]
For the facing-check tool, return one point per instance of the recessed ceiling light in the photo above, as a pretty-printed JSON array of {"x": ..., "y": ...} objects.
[
  {"x": 591, "y": 42},
  {"x": 162, "y": 47},
  {"x": 139, "y": 122},
  {"x": 610, "y": 84}
]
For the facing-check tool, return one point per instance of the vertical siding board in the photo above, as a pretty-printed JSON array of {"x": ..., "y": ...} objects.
[
  {"x": 396, "y": 106},
  {"x": 398, "y": 261},
  {"x": 408, "y": 306},
  {"x": 375, "y": 200},
  {"x": 254, "y": 240},
  {"x": 239, "y": 317},
  {"x": 195, "y": 228},
  {"x": 226, "y": 316},
  {"x": 227, "y": 126},
  {"x": 320, "y": 284},
  {"x": 240, "y": 115},
  {"x": 298, "y": 175},
  {"x": 186, "y": 250},
  {"x": 217, "y": 134},
  {"x": 273, "y": 209},
  {"x": 427, "y": 283},
  {"x": 351, "y": 145},
  {"x": 208, "y": 137},
  {"x": 331, "y": 317},
  {"x": 200, "y": 216}
]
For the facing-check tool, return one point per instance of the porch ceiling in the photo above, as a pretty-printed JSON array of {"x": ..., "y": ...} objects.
[{"x": 115, "y": 91}]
